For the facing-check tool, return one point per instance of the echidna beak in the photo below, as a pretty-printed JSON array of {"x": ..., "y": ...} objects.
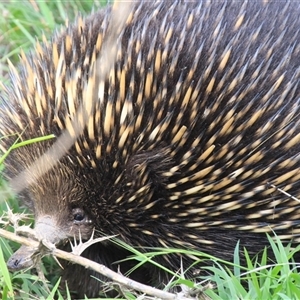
[
  {"x": 22, "y": 259},
  {"x": 26, "y": 257}
]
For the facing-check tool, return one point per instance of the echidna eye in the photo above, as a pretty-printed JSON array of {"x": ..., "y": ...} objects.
[{"x": 78, "y": 215}]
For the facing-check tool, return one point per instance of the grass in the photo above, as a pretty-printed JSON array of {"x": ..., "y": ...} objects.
[
  {"x": 21, "y": 24},
  {"x": 260, "y": 279}
]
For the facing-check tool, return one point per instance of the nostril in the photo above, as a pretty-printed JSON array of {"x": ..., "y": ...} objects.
[{"x": 16, "y": 263}]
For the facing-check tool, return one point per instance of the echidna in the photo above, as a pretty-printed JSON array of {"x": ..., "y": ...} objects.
[{"x": 196, "y": 123}]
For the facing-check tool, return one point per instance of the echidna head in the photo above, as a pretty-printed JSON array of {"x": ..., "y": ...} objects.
[
  {"x": 59, "y": 214},
  {"x": 70, "y": 201}
]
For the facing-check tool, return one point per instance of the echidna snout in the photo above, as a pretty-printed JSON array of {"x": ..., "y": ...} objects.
[{"x": 25, "y": 257}]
